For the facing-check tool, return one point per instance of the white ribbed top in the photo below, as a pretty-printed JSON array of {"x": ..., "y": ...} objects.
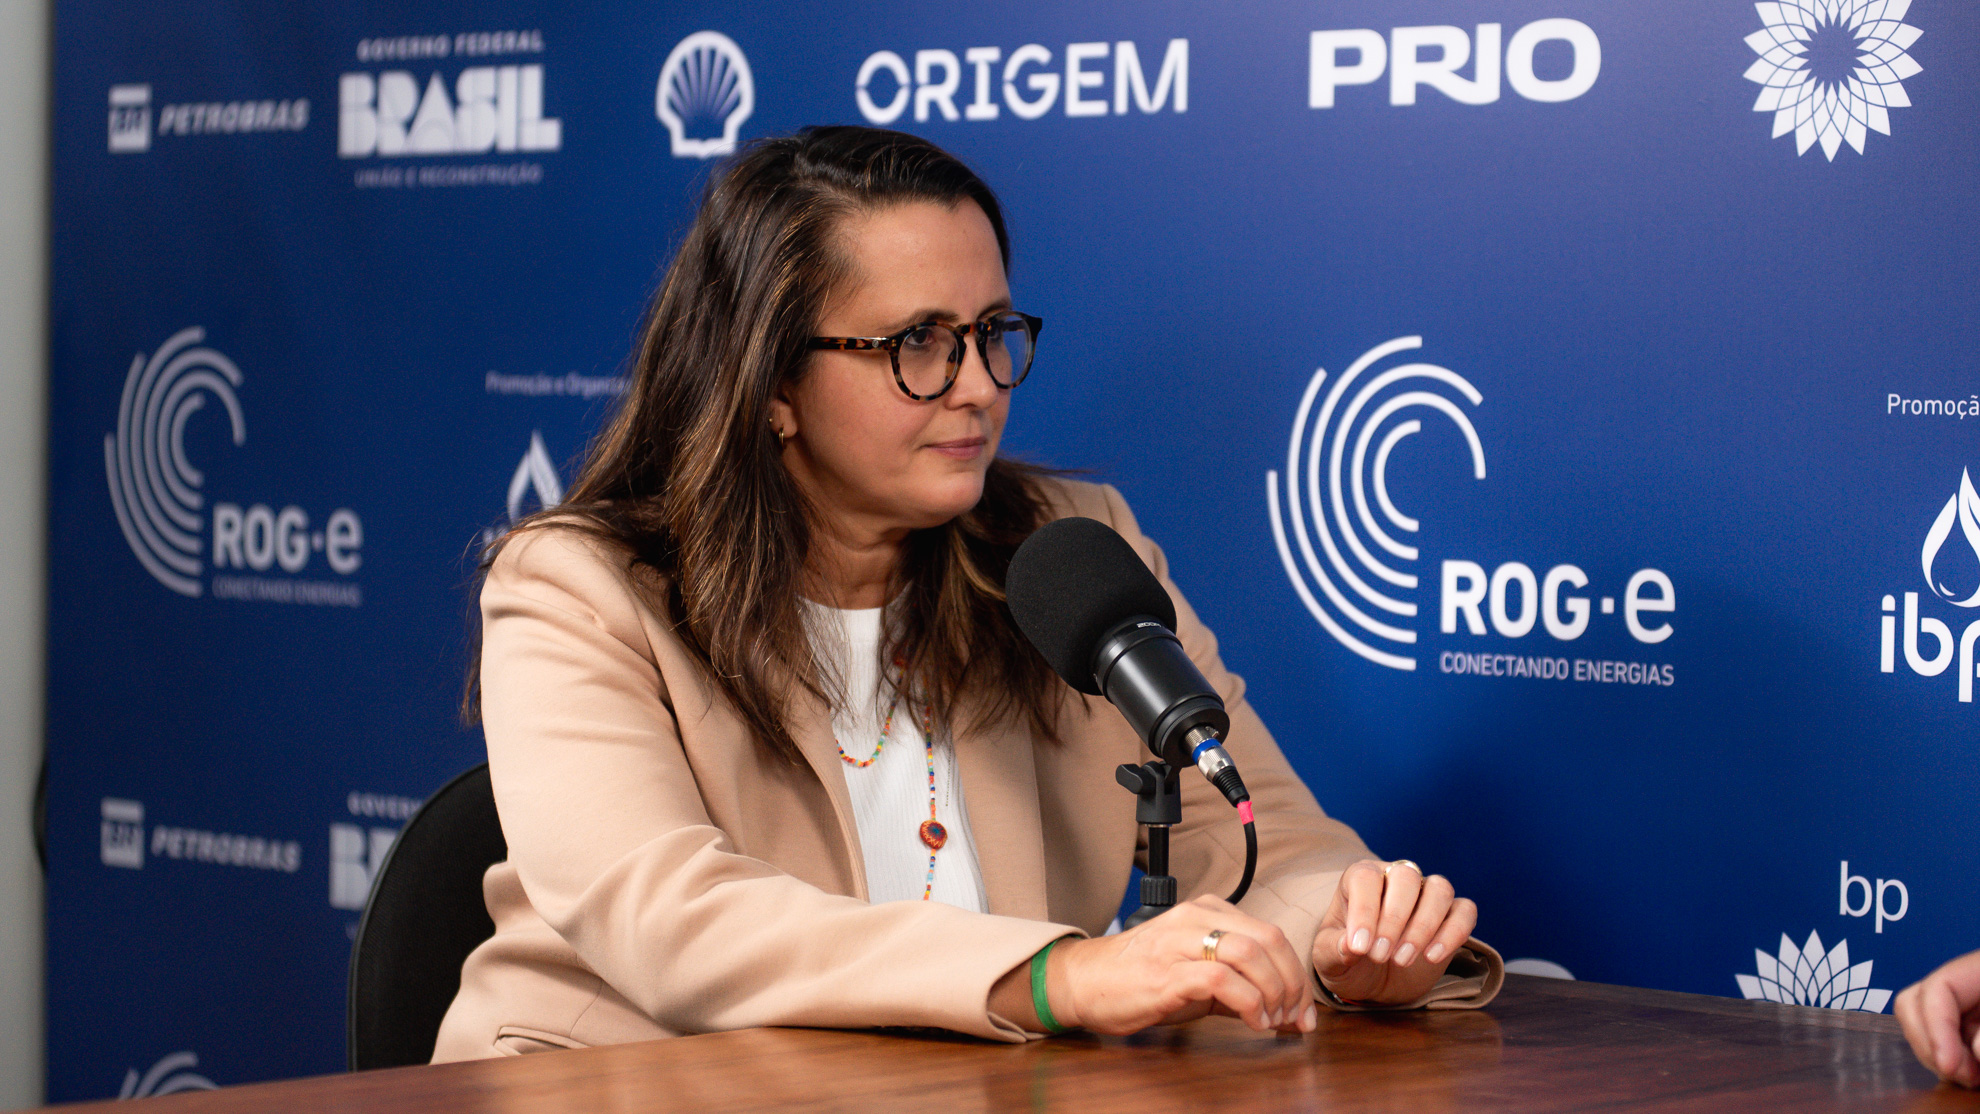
[{"x": 890, "y": 797}]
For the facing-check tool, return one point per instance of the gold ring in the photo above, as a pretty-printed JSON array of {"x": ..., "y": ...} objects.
[
  {"x": 1402, "y": 862},
  {"x": 1210, "y": 944}
]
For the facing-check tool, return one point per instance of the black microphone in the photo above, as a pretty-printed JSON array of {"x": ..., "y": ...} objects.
[{"x": 1084, "y": 598}]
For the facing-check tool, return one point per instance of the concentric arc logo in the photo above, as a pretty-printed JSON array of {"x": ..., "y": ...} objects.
[
  {"x": 1351, "y": 472},
  {"x": 153, "y": 487}
]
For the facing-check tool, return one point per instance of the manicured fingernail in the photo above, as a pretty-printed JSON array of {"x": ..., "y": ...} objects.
[
  {"x": 1312, "y": 1018},
  {"x": 1435, "y": 952},
  {"x": 1405, "y": 954},
  {"x": 1360, "y": 941},
  {"x": 1381, "y": 951}
]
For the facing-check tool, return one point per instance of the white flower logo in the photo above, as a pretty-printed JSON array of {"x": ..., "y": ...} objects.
[
  {"x": 1832, "y": 70},
  {"x": 1807, "y": 977}
]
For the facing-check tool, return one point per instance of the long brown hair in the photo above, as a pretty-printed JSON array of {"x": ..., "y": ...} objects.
[{"x": 687, "y": 476}]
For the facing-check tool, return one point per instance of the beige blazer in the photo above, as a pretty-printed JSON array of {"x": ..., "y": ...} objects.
[{"x": 665, "y": 878}]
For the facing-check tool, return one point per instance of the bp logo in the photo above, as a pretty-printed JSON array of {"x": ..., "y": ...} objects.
[
  {"x": 705, "y": 94},
  {"x": 1809, "y": 976},
  {"x": 1831, "y": 70}
]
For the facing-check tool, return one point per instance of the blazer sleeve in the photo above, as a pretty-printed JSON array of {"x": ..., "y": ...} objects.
[
  {"x": 1301, "y": 850},
  {"x": 615, "y": 850}
]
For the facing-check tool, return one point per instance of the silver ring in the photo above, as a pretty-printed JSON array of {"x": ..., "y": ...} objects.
[
  {"x": 1402, "y": 862},
  {"x": 1210, "y": 943}
]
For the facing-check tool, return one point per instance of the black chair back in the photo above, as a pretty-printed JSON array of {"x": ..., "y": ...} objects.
[{"x": 424, "y": 915}]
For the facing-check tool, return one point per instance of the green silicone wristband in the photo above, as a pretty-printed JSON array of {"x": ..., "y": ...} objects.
[{"x": 1040, "y": 1001}]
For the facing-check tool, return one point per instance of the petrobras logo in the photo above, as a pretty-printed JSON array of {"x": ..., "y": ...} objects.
[
  {"x": 1813, "y": 976},
  {"x": 1950, "y": 562},
  {"x": 705, "y": 93},
  {"x": 1430, "y": 57},
  {"x": 170, "y": 1075},
  {"x": 131, "y": 118},
  {"x": 123, "y": 833},
  {"x": 1335, "y": 548},
  {"x": 445, "y": 108},
  {"x": 1031, "y": 79},
  {"x": 124, "y": 843},
  {"x": 156, "y": 491},
  {"x": 1831, "y": 70}
]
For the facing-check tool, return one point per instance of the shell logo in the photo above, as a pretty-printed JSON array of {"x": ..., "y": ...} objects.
[{"x": 705, "y": 93}]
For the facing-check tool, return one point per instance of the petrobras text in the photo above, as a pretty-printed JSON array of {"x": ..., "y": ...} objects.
[
  {"x": 123, "y": 843},
  {"x": 1033, "y": 81},
  {"x": 131, "y": 118}
]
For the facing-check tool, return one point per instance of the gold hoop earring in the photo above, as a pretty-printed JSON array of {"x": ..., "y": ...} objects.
[{"x": 778, "y": 430}]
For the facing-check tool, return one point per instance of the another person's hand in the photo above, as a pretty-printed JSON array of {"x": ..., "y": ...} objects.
[
  {"x": 1941, "y": 1016},
  {"x": 1390, "y": 933},
  {"x": 1156, "y": 973}
]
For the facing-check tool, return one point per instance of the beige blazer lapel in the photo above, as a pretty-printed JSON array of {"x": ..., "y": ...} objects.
[
  {"x": 1000, "y": 788},
  {"x": 811, "y": 728}
]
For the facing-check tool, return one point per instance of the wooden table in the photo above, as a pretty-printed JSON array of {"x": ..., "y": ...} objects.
[{"x": 1543, "y": 1046}]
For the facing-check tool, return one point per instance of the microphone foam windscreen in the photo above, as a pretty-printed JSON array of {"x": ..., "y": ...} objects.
[{"x": 1072, "y": 582}]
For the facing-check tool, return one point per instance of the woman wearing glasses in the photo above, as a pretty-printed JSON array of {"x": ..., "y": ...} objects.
[{"x": 766, "y": 744}]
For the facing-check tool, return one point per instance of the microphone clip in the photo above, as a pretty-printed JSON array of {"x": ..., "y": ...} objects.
[{"x": 1158, "y": 807}]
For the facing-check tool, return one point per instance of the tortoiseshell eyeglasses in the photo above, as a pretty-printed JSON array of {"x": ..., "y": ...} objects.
[{"x": 928, "y": 357}]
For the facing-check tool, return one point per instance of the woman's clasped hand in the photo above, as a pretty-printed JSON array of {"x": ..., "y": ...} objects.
[
  {"x": 1390, "y": 933},
  {"x": 1386, "y": 939}
]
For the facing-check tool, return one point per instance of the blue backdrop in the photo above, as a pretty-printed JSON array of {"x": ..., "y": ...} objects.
[{"x": 1562, "y": 410}]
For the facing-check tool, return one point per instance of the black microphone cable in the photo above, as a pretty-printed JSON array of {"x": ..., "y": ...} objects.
[{"x": 1209, "y": 755}]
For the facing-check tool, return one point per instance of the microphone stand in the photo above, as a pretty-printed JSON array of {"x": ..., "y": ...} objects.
[{"x": 1158, "y": 806}]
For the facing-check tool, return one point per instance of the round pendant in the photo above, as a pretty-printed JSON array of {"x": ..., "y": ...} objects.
[{"x": 934, "y": 834}]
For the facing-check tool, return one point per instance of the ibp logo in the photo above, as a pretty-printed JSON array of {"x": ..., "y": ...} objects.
[
  {"x": 1937, "y": 560},
  {"x": 155, "y": 489},
  {"x": 1362, "y": 55},
  {"x": 705, "y": 93},
  {"x": 1336, "y": 479}
]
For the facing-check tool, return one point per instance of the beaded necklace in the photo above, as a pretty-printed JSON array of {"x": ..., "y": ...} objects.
[{"x": 932, "y": 833}]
